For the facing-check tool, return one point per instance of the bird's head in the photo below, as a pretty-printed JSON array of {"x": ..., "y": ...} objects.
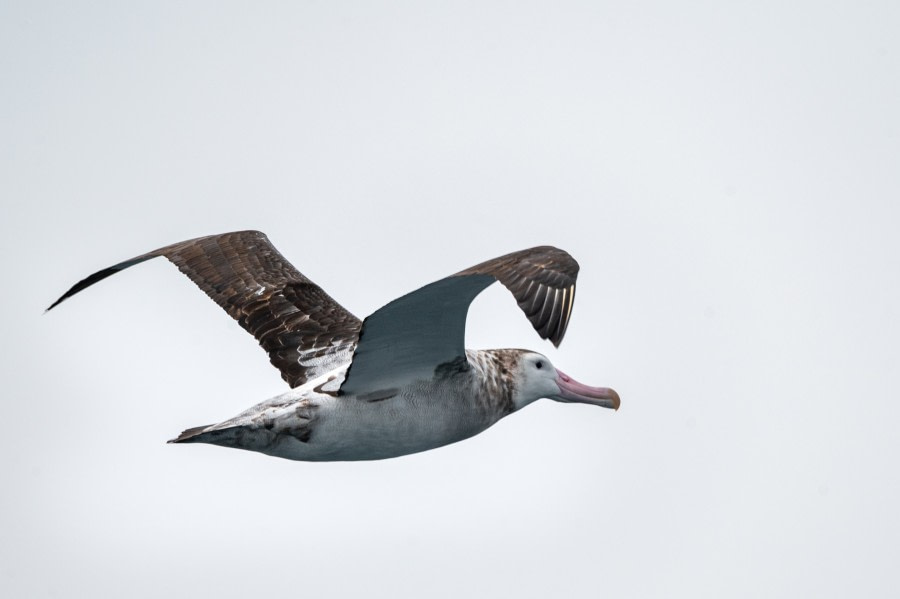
[{"x": 536, "y": 377}]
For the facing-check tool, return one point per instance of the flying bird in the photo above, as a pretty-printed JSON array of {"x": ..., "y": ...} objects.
[{"x": 399, "y": 382}]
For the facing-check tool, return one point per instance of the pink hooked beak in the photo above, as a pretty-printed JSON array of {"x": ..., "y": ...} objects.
[{"x": 571, "y": 390}]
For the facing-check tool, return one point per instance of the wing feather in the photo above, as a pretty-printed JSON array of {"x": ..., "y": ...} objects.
[
  {"x": 305, "y": 332},
  {"x": 551, "y": 309},
  {"x": 547, "y": 270}
]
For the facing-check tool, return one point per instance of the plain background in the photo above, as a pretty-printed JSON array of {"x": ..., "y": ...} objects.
[{"x": 726, "y": 174}]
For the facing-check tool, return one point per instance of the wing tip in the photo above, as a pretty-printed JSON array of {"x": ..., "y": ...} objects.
[
  {"x": 82, "y": 285},
  {"x": 56, "y": 303},
  {"x": 556, "y": 338},
  {"x": 97, "y": 277},
  {"x": 542, "y": 279}
]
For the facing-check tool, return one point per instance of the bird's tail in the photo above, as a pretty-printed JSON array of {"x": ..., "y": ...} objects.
[{"x": 190, "y": 435}]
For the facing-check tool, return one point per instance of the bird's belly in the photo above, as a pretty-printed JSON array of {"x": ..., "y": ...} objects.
[{"x": 350, "y": 429}]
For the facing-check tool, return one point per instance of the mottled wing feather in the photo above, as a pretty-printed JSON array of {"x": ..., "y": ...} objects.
[
  {"x": 542, "y": 280},
  {"x": 413, "y": 335},
  {"x": 305, "y": 332}
]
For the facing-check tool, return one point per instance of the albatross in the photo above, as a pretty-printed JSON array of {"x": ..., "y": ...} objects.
[{"x": 399, "y": 382}]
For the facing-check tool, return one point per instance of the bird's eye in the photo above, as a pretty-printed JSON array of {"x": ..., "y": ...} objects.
[{"x": 538, "y": 364}]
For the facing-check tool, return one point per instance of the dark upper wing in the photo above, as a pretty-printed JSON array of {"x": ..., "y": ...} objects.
[
  {"x": 411, "y": 336},
  {"x": 305, "y": 332}
]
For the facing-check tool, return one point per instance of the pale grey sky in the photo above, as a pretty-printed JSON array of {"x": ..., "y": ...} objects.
[{"x": 726, "y": 174}]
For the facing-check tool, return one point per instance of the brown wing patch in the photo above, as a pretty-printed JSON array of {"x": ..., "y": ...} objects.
[
  {"x": 542, "y": 279},
  {"x": 305, "y": 332}
]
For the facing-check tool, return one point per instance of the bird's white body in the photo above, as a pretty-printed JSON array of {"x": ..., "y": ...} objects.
[{"x": 303, "y": 424}]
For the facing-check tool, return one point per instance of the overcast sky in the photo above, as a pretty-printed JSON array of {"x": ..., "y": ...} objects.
[{"x": 726, "y": 174}]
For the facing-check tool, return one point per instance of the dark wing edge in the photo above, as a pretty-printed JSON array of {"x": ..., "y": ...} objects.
[
  {"x": 542, "y": 279},
  {"x": 97, "y": 277},
  {"x": 305, "y": 332}
]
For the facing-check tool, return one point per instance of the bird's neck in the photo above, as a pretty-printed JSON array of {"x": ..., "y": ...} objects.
[{"x": 494, "y": 374}]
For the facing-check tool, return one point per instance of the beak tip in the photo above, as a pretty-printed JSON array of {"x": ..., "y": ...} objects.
[{"x": 571, "y": 390}]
